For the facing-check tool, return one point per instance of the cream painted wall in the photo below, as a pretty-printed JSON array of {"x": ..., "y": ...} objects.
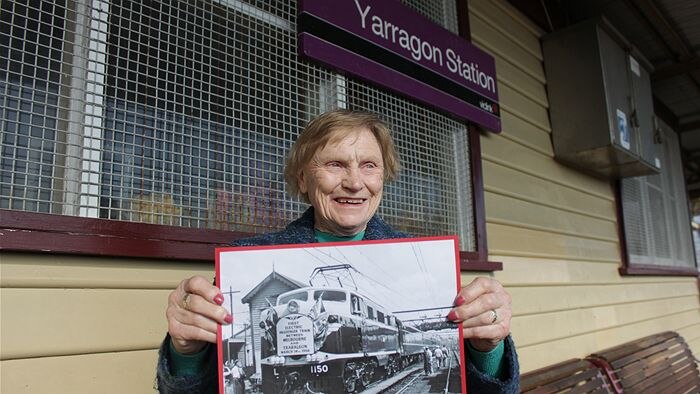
[
  {"x": 73, "y": 324},
  {"x": 554, "y": 228}
]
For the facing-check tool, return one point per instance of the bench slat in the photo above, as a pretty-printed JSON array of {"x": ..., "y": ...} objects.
[
  {"x": 667, "y": 367},
  {"x": 593, "y": 386},
  {"x": 680, "y": 383},
  {"x": 689, "y": 384},
  {"x": 571, "y": 376},
  {"x": 573, "y": 380},
  {"x": 624, "y": 349},
  {"x": 655, "y": 364},
  {"x": 650, "y": 353},
  {"x": 551, "y": 373},
  {"x": 661, "y": 363},
  {"x": 646, "y": 384}
]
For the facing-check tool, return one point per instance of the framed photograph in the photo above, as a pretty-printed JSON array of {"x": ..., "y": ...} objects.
[{"x": 341, "y": 317}]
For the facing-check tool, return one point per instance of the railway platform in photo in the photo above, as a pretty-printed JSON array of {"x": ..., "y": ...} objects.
[{"x": 414, "y": 380}]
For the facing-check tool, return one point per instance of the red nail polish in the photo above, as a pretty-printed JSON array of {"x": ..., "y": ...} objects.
[
  {"x": 219, "y": 299},
  {"x": 459, "y": 300},
  {"x": 452, "y": 316},
  {"x": 228, "y": 319}
]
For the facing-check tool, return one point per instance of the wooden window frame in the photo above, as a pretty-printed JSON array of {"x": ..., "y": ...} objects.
[
  {"x": 629, "y": 268},
  {"x": 62, "y": 234}
]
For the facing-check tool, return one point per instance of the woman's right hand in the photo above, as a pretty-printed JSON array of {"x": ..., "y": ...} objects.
[{"x": 193, "y": 313}]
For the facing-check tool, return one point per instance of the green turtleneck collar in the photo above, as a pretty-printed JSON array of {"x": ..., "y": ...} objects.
[{"x": 328, "y": 237}]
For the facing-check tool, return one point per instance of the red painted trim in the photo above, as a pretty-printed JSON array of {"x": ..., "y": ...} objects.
[
  {"x": 93, "y": 244},
  {"x": 478, "y": 193},
  {"x": 46, "y": 233},
  {"x": 63, "y": 223},
  {"x": 657, "y": 270},
  {"x": 463, "y": 19},
  {"x": 621, "y": 236},
  {"x": 475, "y": 261},
  {"x": 475, "y": 265}
]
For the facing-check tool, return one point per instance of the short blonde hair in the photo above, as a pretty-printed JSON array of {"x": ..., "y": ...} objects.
[{"x": 319, "y": 132}]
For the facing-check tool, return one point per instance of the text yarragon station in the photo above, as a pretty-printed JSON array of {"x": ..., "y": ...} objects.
[{"x": 420, "y": 49}]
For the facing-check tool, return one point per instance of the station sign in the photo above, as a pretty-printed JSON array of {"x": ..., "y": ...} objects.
[{"x": 389, "y": 44}]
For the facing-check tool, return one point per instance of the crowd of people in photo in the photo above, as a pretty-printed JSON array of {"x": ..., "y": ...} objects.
[
  {"x": 234, "y": 377},
  {"x": 435, "y": 358}
]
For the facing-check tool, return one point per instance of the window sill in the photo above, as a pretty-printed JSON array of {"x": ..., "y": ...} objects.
[
  {"x": 474, "y": 263},
  {"x": 655, "y": 270},
  {"x": 48, "y": 233}
]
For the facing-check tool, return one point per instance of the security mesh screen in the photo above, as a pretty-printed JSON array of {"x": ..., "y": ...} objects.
[
  {"x": 31, "y": 61},
  {"x": 655, "y": 212},
  {"x": 443, "y": 13},
  {"x": 181, "y": 113}
]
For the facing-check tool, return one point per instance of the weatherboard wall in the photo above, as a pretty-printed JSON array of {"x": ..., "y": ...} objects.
[{"x": 554, "y": 228}]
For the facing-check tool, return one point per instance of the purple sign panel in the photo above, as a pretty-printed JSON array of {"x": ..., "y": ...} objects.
[{"x": 386, "y": 43}]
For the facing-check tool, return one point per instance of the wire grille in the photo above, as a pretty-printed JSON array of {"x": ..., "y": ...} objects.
[{"x": 180, "y": 113}]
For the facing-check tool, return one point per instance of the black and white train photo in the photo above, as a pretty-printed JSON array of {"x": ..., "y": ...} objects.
[{"x": 353, "y": 318}]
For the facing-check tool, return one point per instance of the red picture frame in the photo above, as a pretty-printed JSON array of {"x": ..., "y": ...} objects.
[{"x": 341, "y": 317}]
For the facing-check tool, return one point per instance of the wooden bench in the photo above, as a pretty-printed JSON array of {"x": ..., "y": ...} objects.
[
  {"x": 571, "y": 376},
  {"x": 660, "y": 363}
]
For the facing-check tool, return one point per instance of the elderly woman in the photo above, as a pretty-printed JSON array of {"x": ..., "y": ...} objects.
[{"x": 339, "y": 165}]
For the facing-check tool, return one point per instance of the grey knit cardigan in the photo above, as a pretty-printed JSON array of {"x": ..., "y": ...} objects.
[{"x": 302, "y": 231}]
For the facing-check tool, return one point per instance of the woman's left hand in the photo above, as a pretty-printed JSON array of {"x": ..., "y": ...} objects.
[{"x": 484, "y": 309}]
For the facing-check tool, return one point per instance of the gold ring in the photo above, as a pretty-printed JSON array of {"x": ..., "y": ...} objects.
[
  {"x": 186, "y": 301},
  {"x": 495, "y": 316}
]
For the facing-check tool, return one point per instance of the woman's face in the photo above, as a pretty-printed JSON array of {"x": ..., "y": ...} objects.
[{"x": 344, "y": 182}]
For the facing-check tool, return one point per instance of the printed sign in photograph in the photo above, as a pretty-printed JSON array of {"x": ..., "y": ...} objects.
[{"x": 346, "y": 317}]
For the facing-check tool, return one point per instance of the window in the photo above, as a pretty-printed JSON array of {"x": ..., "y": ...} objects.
[
  {"x": 180, "y": 113},
  {"x": 31, "y": 58},
  {"x": 330, "y": 295},
  {"x": 380, "y": 317},
  {"x": 300, "y": 296},
  {"x": 656, "y": 217}
]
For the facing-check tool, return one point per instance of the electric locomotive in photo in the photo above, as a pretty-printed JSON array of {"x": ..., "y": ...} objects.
[{"x": 331, "y": 340}]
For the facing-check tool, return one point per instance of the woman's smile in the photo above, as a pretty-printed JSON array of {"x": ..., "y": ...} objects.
[{"x": 344, "y": 181}]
